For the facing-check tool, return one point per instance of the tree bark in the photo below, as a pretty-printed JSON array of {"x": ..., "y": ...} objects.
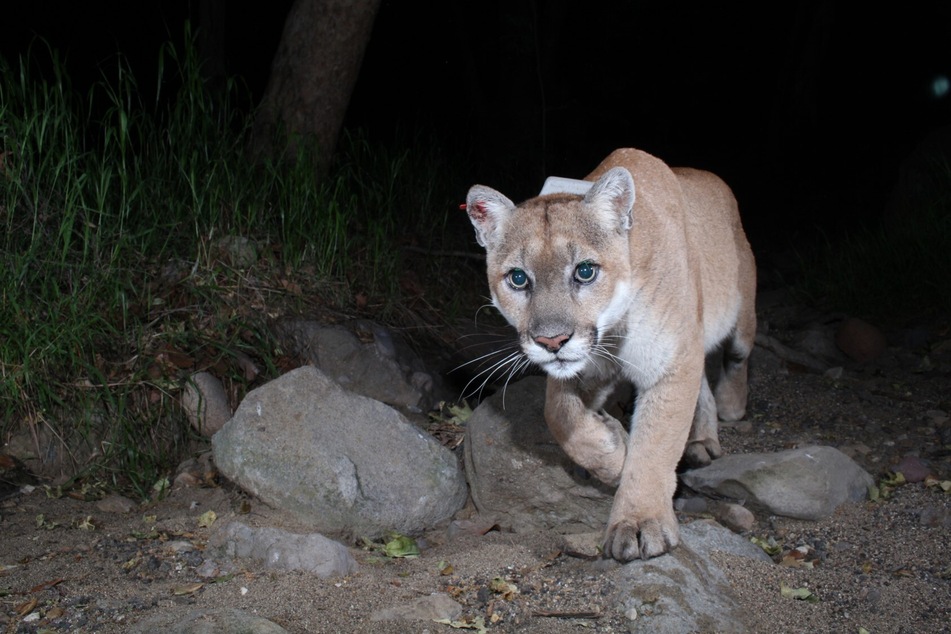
[{"x": 312, "y": 77}]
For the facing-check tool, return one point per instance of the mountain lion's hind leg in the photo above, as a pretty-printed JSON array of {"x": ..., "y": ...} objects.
[
  {"x": 703, "y": 446},
  {"x": 732, "y": 389}
]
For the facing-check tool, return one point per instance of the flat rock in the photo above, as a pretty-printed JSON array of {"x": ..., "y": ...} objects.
[
  {"x": 805, "y": 483},
  {"x": 343, "y": 463},
  {"x": 429, "y": 608},
  {"x": 213, "y": 621},
  {"x": 278, "y": 549},
  {"x": 518, "y": 474}
]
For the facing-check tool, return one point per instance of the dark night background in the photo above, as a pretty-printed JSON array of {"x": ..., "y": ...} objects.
[{"x": 806, "y": 109}]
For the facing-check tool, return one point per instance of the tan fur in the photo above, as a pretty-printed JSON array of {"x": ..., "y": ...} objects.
[{"x": 674, "y": 280}]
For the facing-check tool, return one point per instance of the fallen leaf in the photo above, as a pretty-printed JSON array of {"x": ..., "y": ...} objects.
[
  {"x": 503, "y": 588},
  {"x": 188, "y": 588},
  {"x": 478, "y": 623},
  {"x": 206, "y": 519},
  {"x": 54, "y": 613},
  {"x": 46, "y": 585},
  {"x": 401, "y": 546},
  {"x": 25, "y": 608},
  {"x": 461, "y": 412},
  {"x": 770, "y": 547},
  {"x": 86, "y": 524},
  {"x": 800, "y": 594},
  {"x": 161, "y": 486},
  {"x": 445, "y": 568}
]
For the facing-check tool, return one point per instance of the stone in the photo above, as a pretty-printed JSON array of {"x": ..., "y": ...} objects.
[
  {"x": 236, "y": 251},
  {"x": 341, "y": 462},
  {"x": 806, "y": 483},
  {"x": 913, "y": 468},
  {"x": 376, "y": 363},
  {"x": 684, "y": 591},
  {"x": 278, "y": 549},
  {"x": 734, "y": 516},
  {"x": 208, "y": 621},
  {"x": 116, "y": 504},
  {"x": 205, "y": 402},
  {"x": 436, "y": 606},
  {"x": 860, "y": 340},
  {"x": 818, "y": 340},
  {"x": 519, "y": 475}
]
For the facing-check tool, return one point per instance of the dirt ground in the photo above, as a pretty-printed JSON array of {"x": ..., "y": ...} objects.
[{"x": 876, "y": 566}]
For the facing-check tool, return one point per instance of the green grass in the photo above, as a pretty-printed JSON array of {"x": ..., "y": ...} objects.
[
  {"x": 115, "y": 289},
  {"x": 896, "y": 270}
]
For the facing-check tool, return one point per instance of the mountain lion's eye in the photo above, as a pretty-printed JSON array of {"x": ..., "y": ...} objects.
[
  {"x": 586, "y": 272},
  {"x": 518, "y": 279}
]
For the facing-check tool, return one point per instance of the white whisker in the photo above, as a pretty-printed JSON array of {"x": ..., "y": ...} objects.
[{"x": 511, "y": 360}]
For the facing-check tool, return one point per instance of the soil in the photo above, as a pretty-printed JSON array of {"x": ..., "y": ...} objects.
[{"x": 875, "y": 566}]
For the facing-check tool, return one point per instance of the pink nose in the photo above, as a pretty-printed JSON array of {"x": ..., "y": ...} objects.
[{"x": 552, "y": 344}]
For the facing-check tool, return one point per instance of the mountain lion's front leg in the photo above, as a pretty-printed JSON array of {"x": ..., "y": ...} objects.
[
  {"x": 642, "y": 521},
  {"x": 592, "y": 439}
]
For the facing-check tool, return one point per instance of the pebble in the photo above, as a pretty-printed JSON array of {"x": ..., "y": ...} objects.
[
  {"x": 913, "y": 468},
  {"x": 737, "y": 518},
  {"x": 860, "y": 340},
  {"x": 180, "y": 546},
  {"x": 116, "y": 504}
]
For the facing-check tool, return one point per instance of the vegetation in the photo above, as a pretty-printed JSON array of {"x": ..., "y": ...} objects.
[
  {"x": 899, "y": 268},
  {"x": 126, "y": 229}
]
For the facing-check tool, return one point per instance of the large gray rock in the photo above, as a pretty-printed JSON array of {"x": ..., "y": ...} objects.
[
  {"x": 805, "y": 483},
  {"x": 376, "y": 364},
  {"x": 344, "y": 463},
  {"x": 517, "y": 472},
  {"x": 684, "y": 591}
]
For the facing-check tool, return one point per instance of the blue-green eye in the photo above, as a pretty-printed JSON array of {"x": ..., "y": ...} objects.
[
  {"x": 586, "y": 272},
  {"x": 518, "y": 279}
]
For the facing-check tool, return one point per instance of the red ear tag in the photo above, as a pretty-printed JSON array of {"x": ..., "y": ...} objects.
[{"x": 462, "y": 206}]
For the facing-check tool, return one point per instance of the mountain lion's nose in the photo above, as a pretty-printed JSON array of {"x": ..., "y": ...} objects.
[{"x": 552, "y": 344}]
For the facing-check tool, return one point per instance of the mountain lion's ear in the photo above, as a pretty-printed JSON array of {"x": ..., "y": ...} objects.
[
  {"x": 613, "y": 194},
  {"x": 487, "y": 210}
]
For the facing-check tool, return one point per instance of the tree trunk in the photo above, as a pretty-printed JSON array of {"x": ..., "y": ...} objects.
[{"x": 312, "y": 76}]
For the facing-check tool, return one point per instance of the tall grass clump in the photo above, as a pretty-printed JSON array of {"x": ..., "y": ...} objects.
[
  {"x": 110, "y": 208},
  {"x": 897, "y": 269}
]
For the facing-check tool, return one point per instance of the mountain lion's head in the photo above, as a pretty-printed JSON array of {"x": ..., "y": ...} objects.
[{"x": 559, "y": 268}]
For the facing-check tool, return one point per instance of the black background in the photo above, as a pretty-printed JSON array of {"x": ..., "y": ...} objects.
[{"x": 807, "y": 109}]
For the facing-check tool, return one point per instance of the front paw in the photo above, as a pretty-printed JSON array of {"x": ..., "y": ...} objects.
[{"x": 632, "y": 538}]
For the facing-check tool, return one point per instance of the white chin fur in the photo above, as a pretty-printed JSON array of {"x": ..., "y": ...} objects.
[{"x": 563, "y": 369}]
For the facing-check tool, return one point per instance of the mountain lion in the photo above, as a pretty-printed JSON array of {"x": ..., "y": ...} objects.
[{"x": 636, "y": 280}]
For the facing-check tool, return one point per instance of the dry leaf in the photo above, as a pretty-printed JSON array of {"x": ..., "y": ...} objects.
[
  {"x": 478, "y": 623},
  {"x": 188, "y": 588},
  {"x": 800, "y": 594},
  {"x": 206, "y": 519},
  {"x": 25, "y": 608},
  {"x": 503, "y": 588}
]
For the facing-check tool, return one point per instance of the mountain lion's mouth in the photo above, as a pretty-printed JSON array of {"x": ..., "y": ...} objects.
[{"x": 563, "y": 368}]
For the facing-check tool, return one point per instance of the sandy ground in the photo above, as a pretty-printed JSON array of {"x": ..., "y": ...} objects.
[{"x": 876, "y": 566}]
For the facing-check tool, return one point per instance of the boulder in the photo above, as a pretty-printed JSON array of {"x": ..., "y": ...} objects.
[
  {"x": 806, "y": 483},
  {"x": 341, "y": 462},
  {"x": 518, "y": 474}
]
